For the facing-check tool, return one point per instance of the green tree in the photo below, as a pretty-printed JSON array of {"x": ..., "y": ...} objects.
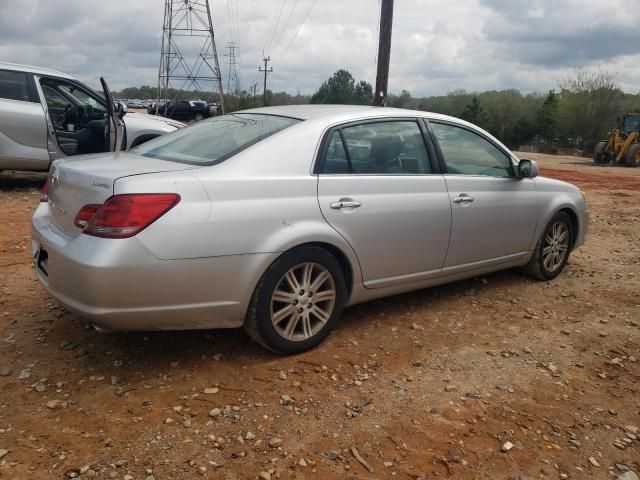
[
  {"x": 341, "y": 88},
  {"x": 547, "y": 124},
  {"x": 404, "y": 100},
  {"x": 363, "y": 93},
  {"x": 474, "y": 112},
  {"x": 590, "y": 101}
]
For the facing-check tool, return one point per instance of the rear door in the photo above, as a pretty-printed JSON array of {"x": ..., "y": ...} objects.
[
  {"x": 23, "y": 129},
  {"x": 494, "y": 213},
  {"x": 378, "y": 189}
]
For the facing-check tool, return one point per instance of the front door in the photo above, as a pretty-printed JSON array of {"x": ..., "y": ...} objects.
[
  {"x": 494, "y": 213},
  {"x": 113, "y": 124},
  {"x": 375, "y": 187}
]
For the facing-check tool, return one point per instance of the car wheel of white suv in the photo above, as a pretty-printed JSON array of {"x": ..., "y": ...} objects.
[{"x": 297, "y": 301}]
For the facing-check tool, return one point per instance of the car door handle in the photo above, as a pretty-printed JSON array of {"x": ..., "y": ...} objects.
[
  {"x": 345, "y": 203},
  {"x": 463, "y": 197}
]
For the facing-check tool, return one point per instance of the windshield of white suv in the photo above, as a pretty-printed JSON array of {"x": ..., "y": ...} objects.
[{"x": 212, "y": 141}]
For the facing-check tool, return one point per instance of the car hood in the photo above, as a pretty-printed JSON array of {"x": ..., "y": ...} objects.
[
  {"x": 552, "y": 184},
  {"x": 139, "y": 117}
]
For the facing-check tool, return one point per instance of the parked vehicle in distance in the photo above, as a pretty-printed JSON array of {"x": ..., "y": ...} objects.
[
  {"x": 277, "y": 218},
  {"x": 46, "y": 115},
  {"x": 185, "y": 110}
]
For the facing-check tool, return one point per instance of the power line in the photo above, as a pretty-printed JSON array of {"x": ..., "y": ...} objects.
[
  {"x": 232, "y": 32},
  {"x": 299, "y": 28},
  {"x": 284, "y": 29},
  {"x": 237, "y": 23},
  {"x": 276, "y": 25}
]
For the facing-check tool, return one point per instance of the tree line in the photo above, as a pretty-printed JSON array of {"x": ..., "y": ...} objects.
[{"x": 577, "y": 114}]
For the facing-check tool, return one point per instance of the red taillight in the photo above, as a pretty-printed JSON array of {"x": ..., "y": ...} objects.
[
  {"x": 45, "y": 191},
  {"x": 123, "y": 216},
  {"x": 85, "y": 214}
]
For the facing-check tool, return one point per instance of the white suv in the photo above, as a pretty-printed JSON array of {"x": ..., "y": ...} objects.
[{"x": 46, "y": 115}]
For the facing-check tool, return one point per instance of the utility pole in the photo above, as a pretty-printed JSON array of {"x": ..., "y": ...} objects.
[
  {"x": 266, "y": 70},
  {"x": 384, "y": 53}
]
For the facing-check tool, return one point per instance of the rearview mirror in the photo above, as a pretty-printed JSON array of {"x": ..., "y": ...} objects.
[
  {"x": 528, "y": 169},
  {"x": 120, "y": 108}
]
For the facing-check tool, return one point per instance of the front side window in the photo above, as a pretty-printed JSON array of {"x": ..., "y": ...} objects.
[
  {"x": 14, "y": 86},
  {"x": 55, "y": 101},
  {"x": 83, "y": 98},
  {"x": 394, "y": 147},
  {"x": 467, "y": 153},
  {"x": 213, "y": 141}
]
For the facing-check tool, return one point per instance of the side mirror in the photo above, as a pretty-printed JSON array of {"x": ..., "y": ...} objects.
[
  {"x": 528, "y": 169},
  {"x": 120, "y": 108}
]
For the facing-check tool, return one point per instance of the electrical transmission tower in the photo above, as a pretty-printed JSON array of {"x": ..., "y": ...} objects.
[
  {"x": 233, "y": 79},
  {"x": 188, "y": 60}
]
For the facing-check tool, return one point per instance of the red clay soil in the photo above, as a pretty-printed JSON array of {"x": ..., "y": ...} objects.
[{"x": 499, "y": 377}]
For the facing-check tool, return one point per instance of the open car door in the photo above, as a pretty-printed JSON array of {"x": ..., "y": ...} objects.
[{"x": 114, "y": 128}]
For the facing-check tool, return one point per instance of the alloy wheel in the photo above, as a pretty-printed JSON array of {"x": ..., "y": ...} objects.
[
  {"x": 556, "y": 246},
  {"x": 303, "y": 301}
]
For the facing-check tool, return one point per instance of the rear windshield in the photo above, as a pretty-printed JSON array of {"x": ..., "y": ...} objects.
[{"x": 214, "y": 140}]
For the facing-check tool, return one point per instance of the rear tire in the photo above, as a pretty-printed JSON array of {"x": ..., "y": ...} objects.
[
  {"x": 297, "y": 301},
  {"x": 632, "y": 157},
  {"x": 600, "y": 155},
  {"x": 553, "y": 248}
]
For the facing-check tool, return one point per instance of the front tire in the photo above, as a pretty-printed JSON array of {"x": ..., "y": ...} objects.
[
  {"x": 198, "y": 116},
  {"x": 298, "y": 301},
  {"x": 600, "y": 155},
  {"x": 632, "y": 157},
  {"x": 553, "y": 248}
]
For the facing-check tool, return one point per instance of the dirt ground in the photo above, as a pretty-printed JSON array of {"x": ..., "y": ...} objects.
[{"x": 431, "y": 384}]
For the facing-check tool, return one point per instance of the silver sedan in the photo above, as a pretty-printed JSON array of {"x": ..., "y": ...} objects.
[{"x": 277, "y": 218}]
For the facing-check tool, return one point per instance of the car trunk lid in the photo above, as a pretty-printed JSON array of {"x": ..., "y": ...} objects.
[{"x": 76, "y": 182}]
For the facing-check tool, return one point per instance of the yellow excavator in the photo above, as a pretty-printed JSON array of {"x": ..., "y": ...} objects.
[{"x": 623, "y": 146}]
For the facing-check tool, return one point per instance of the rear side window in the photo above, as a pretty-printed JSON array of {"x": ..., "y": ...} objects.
[
  {"x": 212, "y": 141},
  {"x": 467, "y": 153},
  {"x": 393, "y": 147},
  {"x": 14, "y": 86},
  {"x": 336, "y": 159}
]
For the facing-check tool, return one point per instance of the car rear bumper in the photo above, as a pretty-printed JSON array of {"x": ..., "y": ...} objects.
[{"x": 119, "y": 285}]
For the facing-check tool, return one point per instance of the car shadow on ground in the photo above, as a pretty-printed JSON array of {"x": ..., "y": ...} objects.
[
  {"x": 150, "y": 351},
  {"x": 12, "y": 181}
]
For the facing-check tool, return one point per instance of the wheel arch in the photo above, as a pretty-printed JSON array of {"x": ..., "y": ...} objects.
[
  {"x": 340, "y": 256},
  {"x": 575, "y": 224},
  {"x": 143, "y": 138}
]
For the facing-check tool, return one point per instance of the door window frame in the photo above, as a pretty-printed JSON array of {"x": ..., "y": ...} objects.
[
  {"x": 321, "y": 156},
  {"x": 440, "y": 154},
  {"x": 31, "y": 88},
  {"x": 87, "y": 90}
]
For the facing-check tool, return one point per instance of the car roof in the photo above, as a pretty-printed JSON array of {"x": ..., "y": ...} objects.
[
  {"x": 37, "y": 70},
  {"x": 344, "y": 112}
]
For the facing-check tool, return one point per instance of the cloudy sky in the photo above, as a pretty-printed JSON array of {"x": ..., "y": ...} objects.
[{"x": 437, "y": 46}]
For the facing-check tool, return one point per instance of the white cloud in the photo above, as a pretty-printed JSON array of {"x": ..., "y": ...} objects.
[{"x": 437, "y": 46}]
